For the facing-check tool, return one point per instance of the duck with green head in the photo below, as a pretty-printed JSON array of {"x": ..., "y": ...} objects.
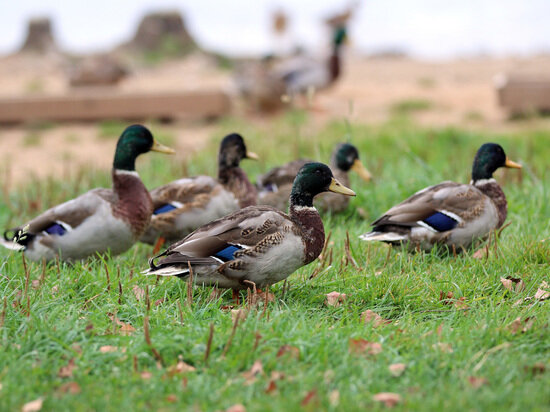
[
  {"x": 303, "y": 74},
  {"x": 258, "y": 244},
  {"x": 100, "y": 220},
  {"x": 449, "y": 214},
  {"x": 274, "y": 186},
  {"x": 183, "y": 205}
]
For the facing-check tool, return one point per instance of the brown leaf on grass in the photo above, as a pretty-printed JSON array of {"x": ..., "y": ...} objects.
[
  {"x": 251, "y": 375},
  {"x": 146, "y": 375},
  {"x": 171, "y": 398},
  {"x": 69, "y": 387},
  {"x": 310, "y": 396},
  {"x": 180, "y": 367},
  {"x": 291, "y": 351},
  {"x": 541, "y": 293},
  {"x": 109, "y": 349},
  {"x": 55, "y": 289},
  {"x": 443, "y": 347},
  {"x": 271, "y": 387},
  {"x": 369, "y": 316},
  {"x": 477, "y": 381},
  {"x": 397, "y": 369},
  {"x": 335, "y": 298},
  {"x": 387, "y": 398},
  {"x": 481, "y": 253},
  {"x": 447, "y": 298},
  {"x": 125, "y": 328},
  {"x": 236, "y": 408},
  {"x": 240, "y": 314},
  {"x": 35, "y": 283},
  {"x": 334, "y": 398},
  {"x": 513, "y": 284},
  {"x": 33, "y": 406},
  {"x": 536, "y": 369},
  {"x": 67, "y": 370},
  {"x": 522, "y": 326},
  {"x": 360, "y": 346},
  {"x": 139, "y": 293},
  {"x": 158, "y": 302}
]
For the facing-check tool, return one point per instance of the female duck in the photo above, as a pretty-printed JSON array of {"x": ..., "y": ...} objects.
[
  {"x": 100, "y": 220},
  {"x": 186, "y": 204},
  {"x": 257, "y": 244},
  {"x": 449, "y": 213},
  {"x": 274, "y": 187}
]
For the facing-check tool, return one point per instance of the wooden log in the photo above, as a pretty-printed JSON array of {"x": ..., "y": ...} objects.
[
  {"x": 523, "y": 94},
  {"x": 105, "y": 105}
]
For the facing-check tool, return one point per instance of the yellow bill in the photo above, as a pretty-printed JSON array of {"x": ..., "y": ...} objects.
[
  {"x": 252, "y": 155},
  {"x": 158, "y": 147},
  {"x": 361, "y": 170},
  {"x": 511, "y": 164},
  {"x": 337, "y": 187}
]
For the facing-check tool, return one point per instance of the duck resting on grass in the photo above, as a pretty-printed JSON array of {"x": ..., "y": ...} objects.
[
  {"x": 274, "y": 187},
  {"x": 449, "y": 214},
  {"x": 257, "y": 244},
  {"x": 186, "y": 204},
  {"x": 100, "y": 220}
]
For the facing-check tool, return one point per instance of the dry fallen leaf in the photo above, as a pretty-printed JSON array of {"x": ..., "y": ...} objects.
[
  {"x": 542, "y": 294},
  {"x": 171, "y": 398},
  {"x": 335, "y": 298},
  {"x": 443, "y": 347},
  {"x": 240, "y": 314},
  {"x": 125, "y": 328},
  {"x": 477, "y": 381},
  {"x": 271, "y": 387},
  {"x": 236, "y": 408},
  {"x": 387, "y": 398},
  {"x": 369, "y": 316},
  {"x": 289, "y": 350},
  {"x": 536, "y": 369},
  {"x": 513, "y": 284},
  {"x": 256, "y": 370},
  {"x": 481, "y": 253},
  {"x": 139, "y": 293},
  {"x": 35, "y": 283},
  {"x": 180, "y": 367},
  {"x": 33, "y": 406},
  {"x": 146, "y": 375},
  {"x": 334, "y": 397},
  {"x": 69, "y": 387},
  {"x": 397, "y": 369},
  {"x": 109, "y": 348},
  {"x": 310, "y": 396},
  {"x": 67, "y": 370},
  {"x": 359, "y": 346},
  {"x": 518, "y": 325}
]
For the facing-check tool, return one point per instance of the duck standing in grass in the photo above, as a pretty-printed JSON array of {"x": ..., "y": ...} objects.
[
  {"x": 275, "y": 186},
  {"x": 100, "y": 220},
  {"x": 258, "y": 244},
  {"x": 450, "y": 214},
  {"x": 186, "y": 204}
]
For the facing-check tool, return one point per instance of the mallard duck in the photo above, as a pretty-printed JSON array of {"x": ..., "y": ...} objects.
[
  {"x": 258, "y": 244},
  {"x": 302, "y": 74},
  {"x": 100, "y": 220},
  {"x": 450, "y": 214},
  {"x": 274, "y": 187},
  {"x": 265, "y": 83},
  {"x": 186, "y": 204}
]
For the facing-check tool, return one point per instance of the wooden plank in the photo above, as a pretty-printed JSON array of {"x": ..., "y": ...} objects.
[
  {"x": 102, "y": 105},
  {"x": 523, "y": 94}
]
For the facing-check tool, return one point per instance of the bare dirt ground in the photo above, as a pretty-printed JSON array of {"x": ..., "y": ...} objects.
[{"x": 459, "y": 92}]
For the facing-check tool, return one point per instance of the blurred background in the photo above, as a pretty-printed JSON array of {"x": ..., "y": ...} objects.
[{"x": 73, "y": 74}]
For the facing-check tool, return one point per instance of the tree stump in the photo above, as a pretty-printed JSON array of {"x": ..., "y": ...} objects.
[
  {"x": 39, "y": 37},
  {"x": 160, "y": 31}
]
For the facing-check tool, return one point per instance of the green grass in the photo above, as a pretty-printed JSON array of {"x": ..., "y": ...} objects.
[
  {"x": 409, "y": 106},
  {"x": 57, "y": 313}
]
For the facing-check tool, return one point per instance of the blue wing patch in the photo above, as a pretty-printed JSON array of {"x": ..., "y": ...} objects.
[
  {"x": 56, "y": 229},
  {"x": 441, "y": 222},
  {"x": 227, "y": 253},
  {"x": 164, "y": 209}
]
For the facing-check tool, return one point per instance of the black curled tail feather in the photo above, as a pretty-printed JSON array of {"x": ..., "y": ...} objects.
[{"x": 18, "y": 235}]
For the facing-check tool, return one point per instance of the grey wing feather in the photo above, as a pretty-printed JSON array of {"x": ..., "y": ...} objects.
[{"x": 448, "y": 196}]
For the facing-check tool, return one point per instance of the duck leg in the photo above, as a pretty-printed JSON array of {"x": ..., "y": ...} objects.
[
  {"x": 235, "y": 296},
  {"x": 160, "y": 242}
]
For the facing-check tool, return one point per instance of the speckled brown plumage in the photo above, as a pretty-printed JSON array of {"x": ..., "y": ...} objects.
[
  {"x": 312, "y": 231},
  {"x": 495, "y": 192},
  {"x": 236, "y": 181}
]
